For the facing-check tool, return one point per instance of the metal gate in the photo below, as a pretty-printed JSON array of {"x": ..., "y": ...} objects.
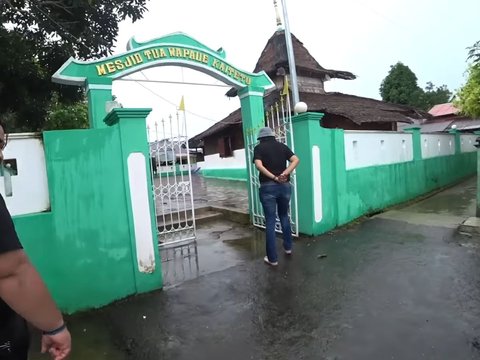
[
  {"x": 278, "y": 118},
  {"x": 172, "y": 182}
]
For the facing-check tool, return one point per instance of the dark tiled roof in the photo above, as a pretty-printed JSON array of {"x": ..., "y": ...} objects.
[
  {"x": 361, "y": 109},
  {"x": 355, "y": 108},
  {"x": 274, "y": 56},
  {"x": 235, "y": 118}
]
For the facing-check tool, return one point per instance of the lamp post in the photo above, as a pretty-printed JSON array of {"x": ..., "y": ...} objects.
[{"x": 290, "y": 54}]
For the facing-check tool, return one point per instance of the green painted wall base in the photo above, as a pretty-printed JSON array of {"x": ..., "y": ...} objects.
[
  {"x": 84, "y": 247},
  {"x": 347, "y": 195},
  {"x": 374, "y": 188},
  {"x": 225, "y": 174}
]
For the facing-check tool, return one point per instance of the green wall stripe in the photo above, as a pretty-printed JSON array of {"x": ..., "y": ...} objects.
[
  {"x": 374, "y": 188},
  {"x": 226, "y": 174}
]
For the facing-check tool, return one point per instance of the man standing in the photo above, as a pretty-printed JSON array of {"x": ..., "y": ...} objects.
[
  {"x": 23, "y": 295},
  {"x": 270, "y": 157}
]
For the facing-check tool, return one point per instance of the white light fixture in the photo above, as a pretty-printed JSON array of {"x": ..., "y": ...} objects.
[{"x": 300, "y": 107}]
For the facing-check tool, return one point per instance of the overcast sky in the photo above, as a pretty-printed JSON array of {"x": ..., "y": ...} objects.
[{"x": 361, "y": 36}]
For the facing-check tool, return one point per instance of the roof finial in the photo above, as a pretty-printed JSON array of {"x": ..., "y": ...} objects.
[{"x": 279, "y": 19}]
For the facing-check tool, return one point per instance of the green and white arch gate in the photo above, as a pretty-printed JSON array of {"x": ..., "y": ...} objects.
[
  {"x": 279, "y": 118},
  {"x": 176, "y": 49}
]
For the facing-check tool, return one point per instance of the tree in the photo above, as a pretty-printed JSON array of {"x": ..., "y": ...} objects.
[
  {"x": 474, "y": 53},
  {"x": 435, "y": 95},
  {"x": 38, "y": 36},
  {"x": 71, "y": 116},
  {"x": 400, "y": 87},
  {"x": 84, "y": 28},
  {"x": 468, "y": 97}
]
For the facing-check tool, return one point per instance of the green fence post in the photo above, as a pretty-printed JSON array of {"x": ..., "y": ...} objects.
[
  {"x": 477, "y": 132},
  {"x": 98, "y": 94},
  {"x": 458, "y": 145},
  {"x": 317, "y": 195},
  {"x": 253, "y": 118},
  {"x": 416, "y": 142},
  {"x": 135, "y": 155}
]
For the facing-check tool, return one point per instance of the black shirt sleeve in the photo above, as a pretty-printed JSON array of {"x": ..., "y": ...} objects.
[
  {"x": 8, "y": 236},
  {"x": 288, "y": 153},
  {"x": 256, "y": 154}
]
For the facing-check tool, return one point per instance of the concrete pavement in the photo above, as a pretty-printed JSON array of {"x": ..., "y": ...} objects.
[{"x": 391, "y": 287}]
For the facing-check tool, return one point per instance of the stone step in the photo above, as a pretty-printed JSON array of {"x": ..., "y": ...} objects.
[{"x": 202, "y": 216}]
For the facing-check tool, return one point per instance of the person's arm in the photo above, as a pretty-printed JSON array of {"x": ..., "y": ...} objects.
[
  {"x": 24, "y": 291},
  {"x": 264, "y": 170},
  {"x": 22, "y": 288},
  {"x": 294, "y": 160}
]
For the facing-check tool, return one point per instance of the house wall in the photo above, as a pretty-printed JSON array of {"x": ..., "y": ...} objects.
[
  {"x": 467, "y": 142},
  {"x": 434, "y": 145},
  {"x": 97, "y": 243},
  {"x": 26, "y": 153},
  {"x": 339, "y": 122},
  {"x": 211, "y": 143},
  {"x": 231, "y": 167},
  {"x": 341, "y": 183},
  {"x": 363, "y": 149},
  {"x": 308, "y": 84}
]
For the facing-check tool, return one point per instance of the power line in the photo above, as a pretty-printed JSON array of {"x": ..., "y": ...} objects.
[
  {"x": 174, "y": 82},
  {"x": 176, "y": 106}
]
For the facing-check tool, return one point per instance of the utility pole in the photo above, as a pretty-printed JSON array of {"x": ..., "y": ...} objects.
[{"x": 290, "y": 54}]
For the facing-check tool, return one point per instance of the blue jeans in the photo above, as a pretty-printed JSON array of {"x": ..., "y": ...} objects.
[{"x": 276, "y": 197}]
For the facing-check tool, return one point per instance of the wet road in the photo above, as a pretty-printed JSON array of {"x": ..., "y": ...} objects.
[
  {"x": 388, "y": 288},
  {"x": 206, "y": 192},
  {"x": 383, "y": 292}
]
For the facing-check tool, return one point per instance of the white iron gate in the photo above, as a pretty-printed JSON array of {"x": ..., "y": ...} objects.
[
  {"x": 278, "y": 118},
  {"x": 172, "y": 182}
]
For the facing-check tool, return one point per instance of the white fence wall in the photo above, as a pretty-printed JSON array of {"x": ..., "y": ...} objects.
[
  {"x": 467, "y": 142},
  {"x": 237, "y": 161},
  {"x": 434, "y": 145},
  {"x": 372, "y": 148},
  {"x": 28, "y": 191}
]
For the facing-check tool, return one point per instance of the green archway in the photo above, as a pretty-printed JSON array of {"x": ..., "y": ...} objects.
[{"x": 176, "y": 49}]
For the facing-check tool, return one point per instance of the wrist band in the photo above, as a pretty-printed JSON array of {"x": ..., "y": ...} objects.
[{"x": 55, "y": 331}]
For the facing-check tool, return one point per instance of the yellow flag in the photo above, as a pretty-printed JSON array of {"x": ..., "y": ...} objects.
[
  {"x": 285, "y": 87},
  {"x": 181, "y": 107}
]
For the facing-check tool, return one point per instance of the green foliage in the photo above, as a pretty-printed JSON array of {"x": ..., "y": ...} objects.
[
  {"x": 435, "y": 95},
  {"x": 84, "y": 28},
  {"x": 474, "y": 53},
  {"x": 468, "y": 97},
  {"x": 37, "y": 37},
  {"x": 400, "y": 86},
  {"x": 62, "y": 116}
]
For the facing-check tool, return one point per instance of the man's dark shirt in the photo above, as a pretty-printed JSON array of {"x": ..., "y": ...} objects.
[
  {"x": 8, "y": 241},
  {"x": 274, "y": 156}
]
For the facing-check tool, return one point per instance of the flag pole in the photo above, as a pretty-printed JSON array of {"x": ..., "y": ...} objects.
[{"x": 290, "y": 54}]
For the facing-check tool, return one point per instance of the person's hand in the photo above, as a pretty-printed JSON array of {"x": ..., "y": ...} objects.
[
  {"x": 282, "y": 178},
  {"x": 58, "y": 345}
]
